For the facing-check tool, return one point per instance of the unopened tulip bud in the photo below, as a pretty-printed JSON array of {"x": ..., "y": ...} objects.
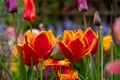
[
  {"x": 29, "y": 11},
  {"x": 97, "y": 19},
  {"x": 82, "y": 5},
  {"x": 116, "y": 31},
  {"x": 12, "y": 6}
]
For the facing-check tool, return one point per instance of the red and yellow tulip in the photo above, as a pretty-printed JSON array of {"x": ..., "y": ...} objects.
[
  {"x": 73, "y": 75},
  {"x": 76, "y": 45},
  {"x": 29, "y": 11},
  {"x": 57, "y": 64},
  {"x": 37, "y": 47}
]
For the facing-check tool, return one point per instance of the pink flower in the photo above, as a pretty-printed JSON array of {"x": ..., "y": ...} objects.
[
  {"x": 113, "y": 67},
  {"x": 116, "y": 30},
  {"x": 10, "y": 31}
]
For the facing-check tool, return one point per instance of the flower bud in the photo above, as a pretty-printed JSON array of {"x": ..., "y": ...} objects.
[
  {"x": 82, "y": 5},
  {"x": 97, "y": 19},
  {"x": 29, "y": 11},
  {"x": 116, "y": 31},
  {"x": 12, "y": 6}
]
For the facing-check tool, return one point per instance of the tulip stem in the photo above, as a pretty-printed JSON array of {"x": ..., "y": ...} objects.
[
  {"x": 87, "y": 67},
  {"x": 30, "y": 27},
  {"x": 41, "y": 74},
  {"x": 15, "y": 27},
  {"x": 101, "y": 51},
  {"x": 112, "y": 46},
  {"x": 84, "y": 17},
  {"x": 32, "y": 71}
]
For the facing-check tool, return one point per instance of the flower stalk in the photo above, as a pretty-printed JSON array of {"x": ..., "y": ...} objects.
[
  {"x": 112, "y": 49},
  {"x": 30, "y": 27},
  {"x": 101, "y": 50},
  {"x": 15, "y": 27},
  {"x": 84, "y": 17},
  {"x": 41, "y": 71}
]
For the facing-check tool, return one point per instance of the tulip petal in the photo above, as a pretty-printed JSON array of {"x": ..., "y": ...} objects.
[
  {"x": 85, "y": 51},
  {"x": 56, "y": 63},
  {"x": 90, "y": 35},
  {"x": 29, "y": 53},
  {"x": 68, "y": 54},
  {"x": 113, "y": 67},
  {"x": 77, "y": 46},
  {"x": 29, "y": 11},
  {"x": 51, "y": 37},
  {"x": 95, "y": 47},
  {"x": 72, "y": 75},
  {"x": 30, "y": 38},
  {"x": 48, "y": 53},
  {"x": 42, "y": 44},
  {"x": 67, "y": 36}
]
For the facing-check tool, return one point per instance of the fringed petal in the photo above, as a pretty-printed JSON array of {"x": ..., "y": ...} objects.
[
  {"x": 77, "y": 46},
  {"x": 42, "y": 45},
  {"x": 90, "y": 35},
  {"x": 68, "y": 54},
  {"x": 28, "y": 53}
]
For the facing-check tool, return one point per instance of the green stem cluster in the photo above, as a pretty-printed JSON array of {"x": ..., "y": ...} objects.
[
  {"x": 112, "y": 56},
  {"x": 15, "y": 27},
  {"x": 101, "y": 51},
  {"x": 41, "y": 74}
]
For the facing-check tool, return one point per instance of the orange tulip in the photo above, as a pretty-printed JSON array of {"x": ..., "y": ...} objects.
[
  {"x": 67, "y": 72},
  {"x": 57, "y": 64},
  {"x": 38, "y": 47},
  {"x": 76, "y": 45},
  {"x": 73, "y": 75},
  {"x": 29, "y": 11}
]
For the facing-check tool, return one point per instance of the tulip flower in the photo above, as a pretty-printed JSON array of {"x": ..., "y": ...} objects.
[
  {"x": 28, "y": 52},
  {"x": 12, "y": 6},
  {"x": 76, "y": 45},
  {"x": 29, "y": 11},
  {"x": 66, "y": 72},
  {"x": 113, "y": 67},
  {"x": 56, "y": 65},
  {"x": 82, "y": 5},
  {"x": 97, "y": 19},
  {"x": 106, "y": 42},
  {"x": 39, "y": 47},
  {"x": 73, "y": 75},
  {"x": 116, "y": 31}
]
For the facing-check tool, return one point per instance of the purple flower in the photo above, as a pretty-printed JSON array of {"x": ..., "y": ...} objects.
[
  {"x": 82, "y": 5},
  {"x": 97, "y": 19},
  {"x": 12, "y": 5}
]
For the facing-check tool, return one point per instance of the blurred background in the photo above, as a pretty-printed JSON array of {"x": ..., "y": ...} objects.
[
  {"x": 58, "y": 15},
  {"x": 62, "y": 14}
]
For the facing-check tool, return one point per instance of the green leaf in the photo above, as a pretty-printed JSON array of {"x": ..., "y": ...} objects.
[
  {"x": 93, "y": 69},
  {"x": 117, "y": 49},
  {"x": 30, "y": 72},
  {"x": 6, "y": 70},
  {"x": 23, "y": 74}
]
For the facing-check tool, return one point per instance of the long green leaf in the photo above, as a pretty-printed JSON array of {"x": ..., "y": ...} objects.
[
  {"x": 6, "y": 70},
  {"x": 30, "y": 72},
  {"x": 23, "y": 74}
]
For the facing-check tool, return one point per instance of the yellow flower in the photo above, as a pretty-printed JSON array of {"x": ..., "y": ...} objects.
[
  {"x": 14, "y": 67},
  {"x": 73, "y": 75},
  {"x": 106, "y": 42}
]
